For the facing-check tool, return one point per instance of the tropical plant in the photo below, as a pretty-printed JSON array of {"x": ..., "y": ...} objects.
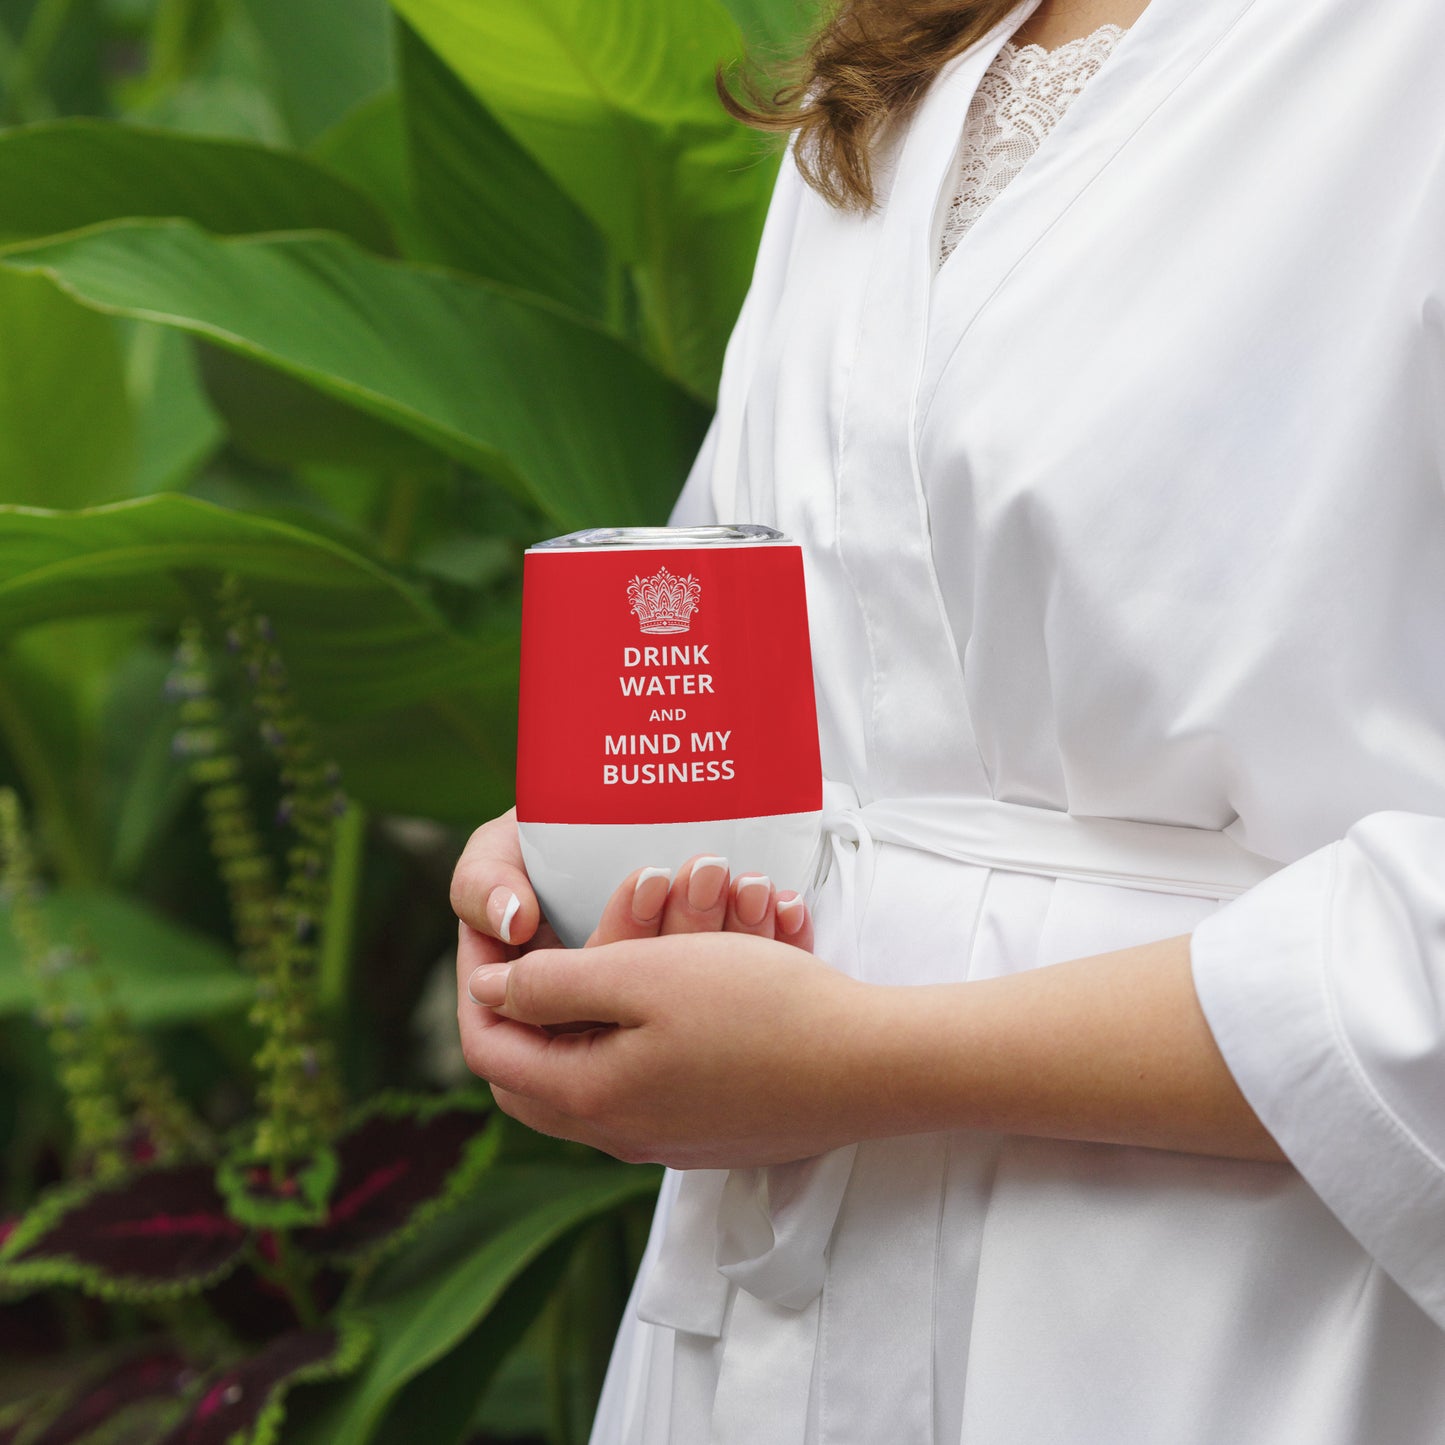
[{"x": 313, "y": 314}]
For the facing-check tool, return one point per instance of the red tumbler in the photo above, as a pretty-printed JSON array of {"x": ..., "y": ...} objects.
[{"x": 666, "y": 710}]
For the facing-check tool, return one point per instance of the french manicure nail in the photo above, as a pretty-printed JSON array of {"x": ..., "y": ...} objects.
[
  {"x": 791, "y": 912},
  {"x": 649, "y": 893},
  {"x": 705, "y": 885},
  {"x": 752, "y": 899},
  {"x": 502, "y": 908},
  {"x": 488, "y": 984}
]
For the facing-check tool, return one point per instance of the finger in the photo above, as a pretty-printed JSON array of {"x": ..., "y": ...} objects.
[
  {"x": 559, "y": 1071},
  {"x": 793, "y": 921},
  {"x": 490, "y": 888},
  {"x": 699, "y": 898},
  {"x": 635, "y": 909},
  {"x": 475, "y": 950},
  {"x": 750, "y": 905},
  {"x": 599, "y": 986}
]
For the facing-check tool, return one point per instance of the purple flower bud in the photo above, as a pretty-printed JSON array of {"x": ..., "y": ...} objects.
[
  {"x": 233, "y": 640},
  {"x": 263, "y": 629},
  {"x": 285, "y": 811}
]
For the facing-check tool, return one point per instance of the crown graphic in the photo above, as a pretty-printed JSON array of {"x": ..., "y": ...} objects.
[{"x": 662, "y": 602}]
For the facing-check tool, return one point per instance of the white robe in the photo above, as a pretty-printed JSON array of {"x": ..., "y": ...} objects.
[{"x": 1135, "y": 510}]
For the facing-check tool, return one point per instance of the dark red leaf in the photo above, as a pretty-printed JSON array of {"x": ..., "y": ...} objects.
[
  {"x": 160, "y": 1374},
  {"x": 161, "y": 1231},
  {"x": 233, "y": 1401},
  {"x": 394, "y": 1163}
]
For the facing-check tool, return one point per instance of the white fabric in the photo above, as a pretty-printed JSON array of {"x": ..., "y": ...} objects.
[
  {"x": 1133, "y": 511},
  {"x": 1023, "y": 95}
]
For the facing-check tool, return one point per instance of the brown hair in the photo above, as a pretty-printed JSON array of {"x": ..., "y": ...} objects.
[{"x": 866, "y": 67}]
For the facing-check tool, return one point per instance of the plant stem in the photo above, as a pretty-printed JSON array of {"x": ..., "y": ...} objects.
[
  {"x": 400, "y": 523},
  {"x": 339, "y": 926},
  {"x": 73, "y": 861},
  {"x": 288, "y": 1276},
  {"x": 25, "y": 99}
]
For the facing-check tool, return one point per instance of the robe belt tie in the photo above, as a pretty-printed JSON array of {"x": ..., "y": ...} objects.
[{"x": 767, "y": 1230}]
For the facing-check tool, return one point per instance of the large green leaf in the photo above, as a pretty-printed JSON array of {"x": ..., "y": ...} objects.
[
  {"x": 617, "y": 103},
  {"x": 556, "y": 408},
  {"x": 75, "y": 173},
  {"x": 493, "y": 210},
  {"x": 373, "y": 664},
  {"x": 162, "y": 973},
  {"x": 431, "y": 1299},
  {"x": 66, "y": 429}
]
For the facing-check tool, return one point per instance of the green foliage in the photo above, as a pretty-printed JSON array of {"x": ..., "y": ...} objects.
[
  {"x": 73, "y": 173},
  {"x": 489, "y": 377},
  {"x": 314, "y": 314}
]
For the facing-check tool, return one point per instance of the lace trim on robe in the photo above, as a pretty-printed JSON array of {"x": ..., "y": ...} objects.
[{"x": 1021, "y": 97}]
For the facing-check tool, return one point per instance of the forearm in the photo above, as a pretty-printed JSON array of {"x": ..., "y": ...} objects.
[{"x": 1113, "y": 1048}]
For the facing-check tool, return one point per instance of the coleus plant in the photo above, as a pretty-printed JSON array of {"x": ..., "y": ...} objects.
[{"x": 234, "y": 1259}]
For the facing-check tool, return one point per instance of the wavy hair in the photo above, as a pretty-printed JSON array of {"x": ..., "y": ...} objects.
[{"x": 866, "y": 67}]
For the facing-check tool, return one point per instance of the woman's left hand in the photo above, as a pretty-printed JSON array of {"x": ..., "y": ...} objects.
[{"x": 708, "y": 1050}]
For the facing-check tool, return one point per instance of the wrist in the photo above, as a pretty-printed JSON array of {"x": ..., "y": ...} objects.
[{"x": 904, "y": 1066}]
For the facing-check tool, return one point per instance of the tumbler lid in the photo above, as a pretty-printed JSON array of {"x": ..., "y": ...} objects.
[{"x": 729, "y": 535}]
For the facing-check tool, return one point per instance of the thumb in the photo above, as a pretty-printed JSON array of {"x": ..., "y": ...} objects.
[{"x": 553, "y": 986}]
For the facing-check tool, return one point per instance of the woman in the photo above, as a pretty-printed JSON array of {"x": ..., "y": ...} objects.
[{"x": 1118, "y": 1114}]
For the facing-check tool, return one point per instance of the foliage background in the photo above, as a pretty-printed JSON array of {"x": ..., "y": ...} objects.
[{"x": 350, "y": 302}]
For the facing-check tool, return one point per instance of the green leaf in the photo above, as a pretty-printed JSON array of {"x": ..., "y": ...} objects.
[
  {"x": 176, "y": 427},
  {"x": 163, "y": 973},
  {"x": 73, "y": 173},
  {"x": 368, "y": 147},
  {"x": 493, "y": 210},
  {"x": 326, "y": 56},
  {"x": 775, "y": 28},
  {"x": 519, "y": 389},
  {"x": 210, "y": 75},
  {"x": 371, "y": 660},
  {"x": 617, "y": 103},
  {"x": 66, "y": 429},
  {"x": 277, "y": 419},
  {"x": 429, "y": 1299},
  {"x": 448, "y": 1393}
]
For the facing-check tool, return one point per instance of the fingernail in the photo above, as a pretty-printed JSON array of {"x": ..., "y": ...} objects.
[
  {"x": 649, "y": 893},
  {"x": 791, "y": 912},
  {"x": 488, "y": 984},
  {"x": 705, "y": 885},
  {"x": 502, "y": 908},
  {"x": 752, "y": 900}
]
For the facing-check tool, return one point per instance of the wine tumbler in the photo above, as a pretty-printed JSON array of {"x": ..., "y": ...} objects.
[{"x": 666, "y": 710}]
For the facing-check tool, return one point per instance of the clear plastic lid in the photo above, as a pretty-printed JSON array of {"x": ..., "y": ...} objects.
[{"x": 731, "y": 535}]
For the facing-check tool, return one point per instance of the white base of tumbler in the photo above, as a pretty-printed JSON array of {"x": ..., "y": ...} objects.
[{"x": 575, "y": 867}]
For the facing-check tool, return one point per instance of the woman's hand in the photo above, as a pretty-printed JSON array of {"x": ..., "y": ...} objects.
[
  {"x": 493, "y": 899},
  {"x": 709, "y": 1050},
  {"x": 500, "y": 921}
]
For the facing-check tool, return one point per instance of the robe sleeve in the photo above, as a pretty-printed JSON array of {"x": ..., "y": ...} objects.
[
  {"x": 694, "y": 506},
  {"x": 1324, "y": 987}
]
